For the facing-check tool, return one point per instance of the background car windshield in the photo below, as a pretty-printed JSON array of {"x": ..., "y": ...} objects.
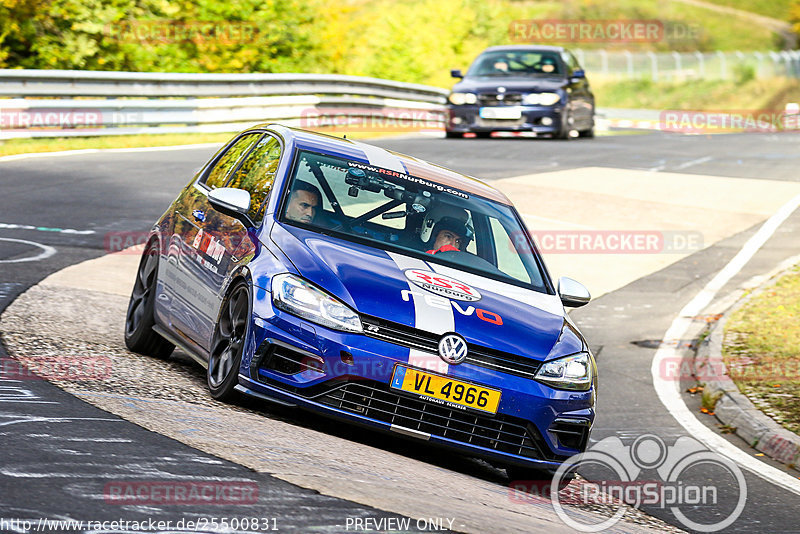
[
  {"x": 516, "y": 63},
  {"x": 392, "y": 211}
]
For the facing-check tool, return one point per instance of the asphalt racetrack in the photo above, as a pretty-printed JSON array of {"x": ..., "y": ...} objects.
[{"x": 706, "y": 196}]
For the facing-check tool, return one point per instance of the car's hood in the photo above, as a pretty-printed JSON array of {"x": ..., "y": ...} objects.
[
  {"x": 374, "y": 282},
  {"x": 482, "y": 84}
]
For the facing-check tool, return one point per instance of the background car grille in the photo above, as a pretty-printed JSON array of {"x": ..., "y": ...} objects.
[
  {"x": 509, "y": 99},
  {"x": 478, "y": 355},
  {"x": 376, "y": 401}
]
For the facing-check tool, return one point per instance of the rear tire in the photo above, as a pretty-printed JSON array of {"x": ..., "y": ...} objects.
[
  {"x": 139, "y": 319},
  {"x": 227, "y": 345},
  {"x": 453, "y": 135},
  {"x": 587, "y": 133}
]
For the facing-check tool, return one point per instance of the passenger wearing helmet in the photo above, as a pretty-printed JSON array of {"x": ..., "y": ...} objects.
[{"x": 446, "y": 228}]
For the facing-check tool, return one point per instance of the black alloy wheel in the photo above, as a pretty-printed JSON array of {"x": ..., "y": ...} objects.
[
  {"x": 228, "y": 343},
  {"x": 139, "y": 320}
]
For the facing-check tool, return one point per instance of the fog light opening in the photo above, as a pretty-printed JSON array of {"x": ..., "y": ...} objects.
[{"x": 547, "y": 121}]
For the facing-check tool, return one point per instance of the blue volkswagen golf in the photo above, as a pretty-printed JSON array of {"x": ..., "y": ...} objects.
[{"x": 372, "y": 287}]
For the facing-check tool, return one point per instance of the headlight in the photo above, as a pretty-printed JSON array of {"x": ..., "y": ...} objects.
[
  {"x": 571, "y": 372},
  {"x": 541, "y": 99},
  {"x": 459, "y": 99},
  {"x": 299, "y": 297}
]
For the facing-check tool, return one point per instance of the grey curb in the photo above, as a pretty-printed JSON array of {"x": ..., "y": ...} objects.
[{"x": 733, "y": 408}]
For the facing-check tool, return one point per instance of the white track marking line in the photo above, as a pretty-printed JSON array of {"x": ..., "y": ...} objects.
[
  {"x": 11, "y": 226},
  {"x": 667, "y": 389},
  {"x": 46, "y": 252},
  {"x": 692, "y": 163}
]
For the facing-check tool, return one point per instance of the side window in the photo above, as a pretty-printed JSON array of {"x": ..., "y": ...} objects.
[
  {"x": 508, "y": 259},
  {"x": 257, "y": 173},
  {"x": 228, "y": 161},
  {"x": 565, "y": 57}
]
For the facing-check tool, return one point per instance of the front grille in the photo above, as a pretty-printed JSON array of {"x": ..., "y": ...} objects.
[
  {"x": 478, "y": 355},
  {"x": 376, "y": 401},
  {"x": 509, "y": 99}
]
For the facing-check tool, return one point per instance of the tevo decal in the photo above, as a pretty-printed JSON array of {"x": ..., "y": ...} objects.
[
  {"x": 442, "y": 285},
  {"x": 441, "y": 303}
]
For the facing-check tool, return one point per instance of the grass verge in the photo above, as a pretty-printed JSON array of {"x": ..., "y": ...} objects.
[
  {"x": 12, "y": 147},
  {"x": 715, "y": 95},
  {"x": 762, "y": 350}
]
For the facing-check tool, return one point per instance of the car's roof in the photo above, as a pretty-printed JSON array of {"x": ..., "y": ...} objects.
[
  {"x": 380, "y": 157},
  {"x": 512, "y": 48}
]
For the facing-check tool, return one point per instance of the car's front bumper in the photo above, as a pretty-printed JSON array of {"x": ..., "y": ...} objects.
[
  {"x": 538, "y": 119},
  {"x": 306, "y": 365}
]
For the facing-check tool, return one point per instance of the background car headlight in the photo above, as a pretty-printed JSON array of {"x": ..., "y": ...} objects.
[
  {"x": 541, "y": 99},
  {"x": 299, "y": 297},
  {"x": 571, "y": 372},
  {"x": 459, "y": 99}
]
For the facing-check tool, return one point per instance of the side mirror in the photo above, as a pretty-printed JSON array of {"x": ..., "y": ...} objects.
[
  {"x": 577, "y": 75},
  {"x": 456, "y": 73},
  {"x": 232, "y": 202},
  {"x": 572, "y": 293}
]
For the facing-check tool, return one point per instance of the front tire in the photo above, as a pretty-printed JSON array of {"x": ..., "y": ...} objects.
[
  {"x": 228, "y": 343},
  {"x": 140, "y": 319},
  {"x": 454, "y": 135}
]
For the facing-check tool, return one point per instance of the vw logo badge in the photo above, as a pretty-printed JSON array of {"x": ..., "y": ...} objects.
[{"x": 453, "y": 349}]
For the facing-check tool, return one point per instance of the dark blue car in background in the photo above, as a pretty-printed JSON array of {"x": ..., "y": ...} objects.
[
  {"x": 522, "y": 88},
  {"x": 372, "y": 287}
]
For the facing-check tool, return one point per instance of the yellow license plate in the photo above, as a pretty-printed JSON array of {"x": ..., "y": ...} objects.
[{"x": 445, "y": 391}]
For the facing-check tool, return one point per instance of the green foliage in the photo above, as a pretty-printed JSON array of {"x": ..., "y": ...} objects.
[
  {"x": 159, "y": 35},
  {"x": 794, "y": 17},
  {"x": 744, "y": 73},
  {"x": 407, "y": 40}
]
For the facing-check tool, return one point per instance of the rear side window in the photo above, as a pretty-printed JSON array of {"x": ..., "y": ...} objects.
[
  {"x": 256, "y": 174},
  {"x": 217, "y": 176}
]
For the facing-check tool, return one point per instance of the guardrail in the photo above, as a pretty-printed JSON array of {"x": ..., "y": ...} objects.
[{"x": 58, "y": 103}]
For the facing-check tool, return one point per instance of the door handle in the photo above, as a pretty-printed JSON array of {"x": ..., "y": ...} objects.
[{"x": 199, "y": 216}]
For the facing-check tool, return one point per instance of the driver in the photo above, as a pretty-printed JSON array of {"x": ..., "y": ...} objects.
[
  {"x": 303, "y": 202},
  {"x": 447, "y": 228}
]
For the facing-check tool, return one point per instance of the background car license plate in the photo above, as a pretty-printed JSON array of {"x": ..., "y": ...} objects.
[
  {"x": 445, "y": 389},
  {"x": 509, "y": 113}
]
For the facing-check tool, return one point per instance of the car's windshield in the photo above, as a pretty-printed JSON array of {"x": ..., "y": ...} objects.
[
  {"x": 516, "y": 63},
  {"x": 399, "y": 212}
]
